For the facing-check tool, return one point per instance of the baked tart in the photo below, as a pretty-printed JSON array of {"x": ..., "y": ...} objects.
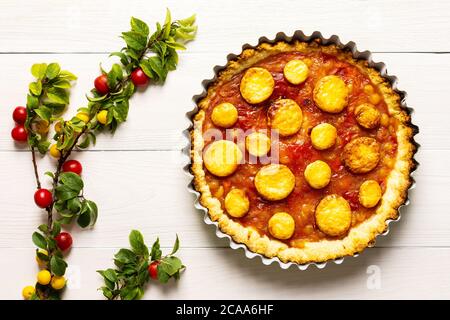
[{"x": 300, "y": 151}]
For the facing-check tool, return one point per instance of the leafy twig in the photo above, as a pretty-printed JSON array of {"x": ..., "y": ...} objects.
[{"x": 136, "y": 266}]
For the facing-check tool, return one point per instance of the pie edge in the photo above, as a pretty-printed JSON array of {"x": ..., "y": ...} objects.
[{"x": 360, "y": 237}]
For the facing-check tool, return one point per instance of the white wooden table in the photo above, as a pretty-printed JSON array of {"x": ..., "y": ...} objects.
[{"x": 136, "y": 176}]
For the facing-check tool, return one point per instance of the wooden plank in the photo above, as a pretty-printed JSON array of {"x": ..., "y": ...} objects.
[
  {"x": 394, "y": 273},
  {"x": 380, "y": 25},
  {"x": 147, "y": 190},
  {"x": 157, "y": 116}
]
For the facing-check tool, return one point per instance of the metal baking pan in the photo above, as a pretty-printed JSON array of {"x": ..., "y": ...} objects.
[{"x": 297, "y": 36}]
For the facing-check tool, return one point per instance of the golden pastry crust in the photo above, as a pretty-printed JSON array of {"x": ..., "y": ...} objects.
[{"x": 359, "y": 237}]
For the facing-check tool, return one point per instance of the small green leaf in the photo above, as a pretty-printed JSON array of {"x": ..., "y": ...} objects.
[
  {"x": 36, "y": 88},
  {"x": 167, "y": 24},
  {"x": 43, "y": 146},
  {"x": 50, "y": 174},
  {"x": 156, "y": 251},
  {"x": 110, "y": 274},
  {"x": 163, "y": 277},
  {"x": 58, "y": 95},
  {"x": 125, "y": 256},
  {"x": 139, "y": 26},
  {"x": 58, "y": 266},
  {"x": 170, "y": 265},
  {"x": 74, "y": 205},
  {"x": 176, "y": 246},
  {"x": 39, "y": 240},
  {"x": 135, "y": 40},
  {"x": 61, "y": 83},
  {"x": 107, "y": 292},
  {"x": 137, "y": 243},
  {"x": 53, "y": 70},
  {"x": 67, "y": 75},
  {"x": 123, "y": 57},
  {"x": 65, "y": 193},
  {"x": 43, "y": 228},
  {"x": 120, "y": 111},
  {"x": 44, "y": 113},
  {"x": 56, "y": 229},
  {"x": 72, "y": 180},
  {"x": 38, "y": 70},
  {"x": 32, "y": 101}
]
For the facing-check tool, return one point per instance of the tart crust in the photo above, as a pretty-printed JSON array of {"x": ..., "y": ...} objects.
[{"x": 360, "y": 236}]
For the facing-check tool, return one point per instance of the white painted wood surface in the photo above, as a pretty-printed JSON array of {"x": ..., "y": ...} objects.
[{"x": 136, "y": 176}]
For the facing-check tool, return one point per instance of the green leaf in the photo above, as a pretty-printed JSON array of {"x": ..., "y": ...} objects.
[
  {"x": 120, "y": 111},
  {"x": 53, "y": 70},
  {"x": 137, "y": 243},
  {"x": 44, "y": 113},
  {"x": 39, "y": 240},
  {"x": 56, "y": 229},
  {"x": 50, "y": 174},
  {"x": 176, "y": 246},
  {"x": 139, "y": 26},
  {"x": 84, "y": 219},
  {"x": 32, "y": 102},
  {"x": 156, "y": 251},
  {"x": 96, "y": 99},
  {"x": 90, "y": 207},
  {"x": 74, "y": 205},
  {"x": 38, "y": 70},
  {"x": 135, "y": 40},
  {"x": 85, "y": 143},
  {"x": 43, "y": 228},
  {"x": 58, "y": 95},
  {"x": 67, "y": 75},
  {"x": 61, "y": 83},
  {"x": 154, "y": 68},
  {"x": 107, "y": 292},
  {"x": 176, "y": 45},
  {"x": 123, "y": 57},
  {"x": 110, "y": 274},
  {"x": 170, "y": 265},
  {"x": 187, "y": 21},
  {"x": 43, "y": 146},
  {"x": 125, "y": 256},
  {"x": 65, "y": 193},
  {"x": 167, "y": 24},
  {"x": 72, "y": 180},
  {"x": 36, "y": 88},
  {"x": 163, "y": 277},
  {"x": 58, "y": 266}
]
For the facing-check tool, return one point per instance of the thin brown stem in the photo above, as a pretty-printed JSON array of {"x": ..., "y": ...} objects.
[{"x": 36, "y": 173}]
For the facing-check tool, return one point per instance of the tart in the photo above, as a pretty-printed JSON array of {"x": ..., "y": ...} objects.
[{"x": 301, "y": 152}]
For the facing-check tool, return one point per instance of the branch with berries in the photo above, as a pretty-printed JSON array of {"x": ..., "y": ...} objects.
[
  {"x": 136, "y": 266},
  {"x": 145, "y": 58}
]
